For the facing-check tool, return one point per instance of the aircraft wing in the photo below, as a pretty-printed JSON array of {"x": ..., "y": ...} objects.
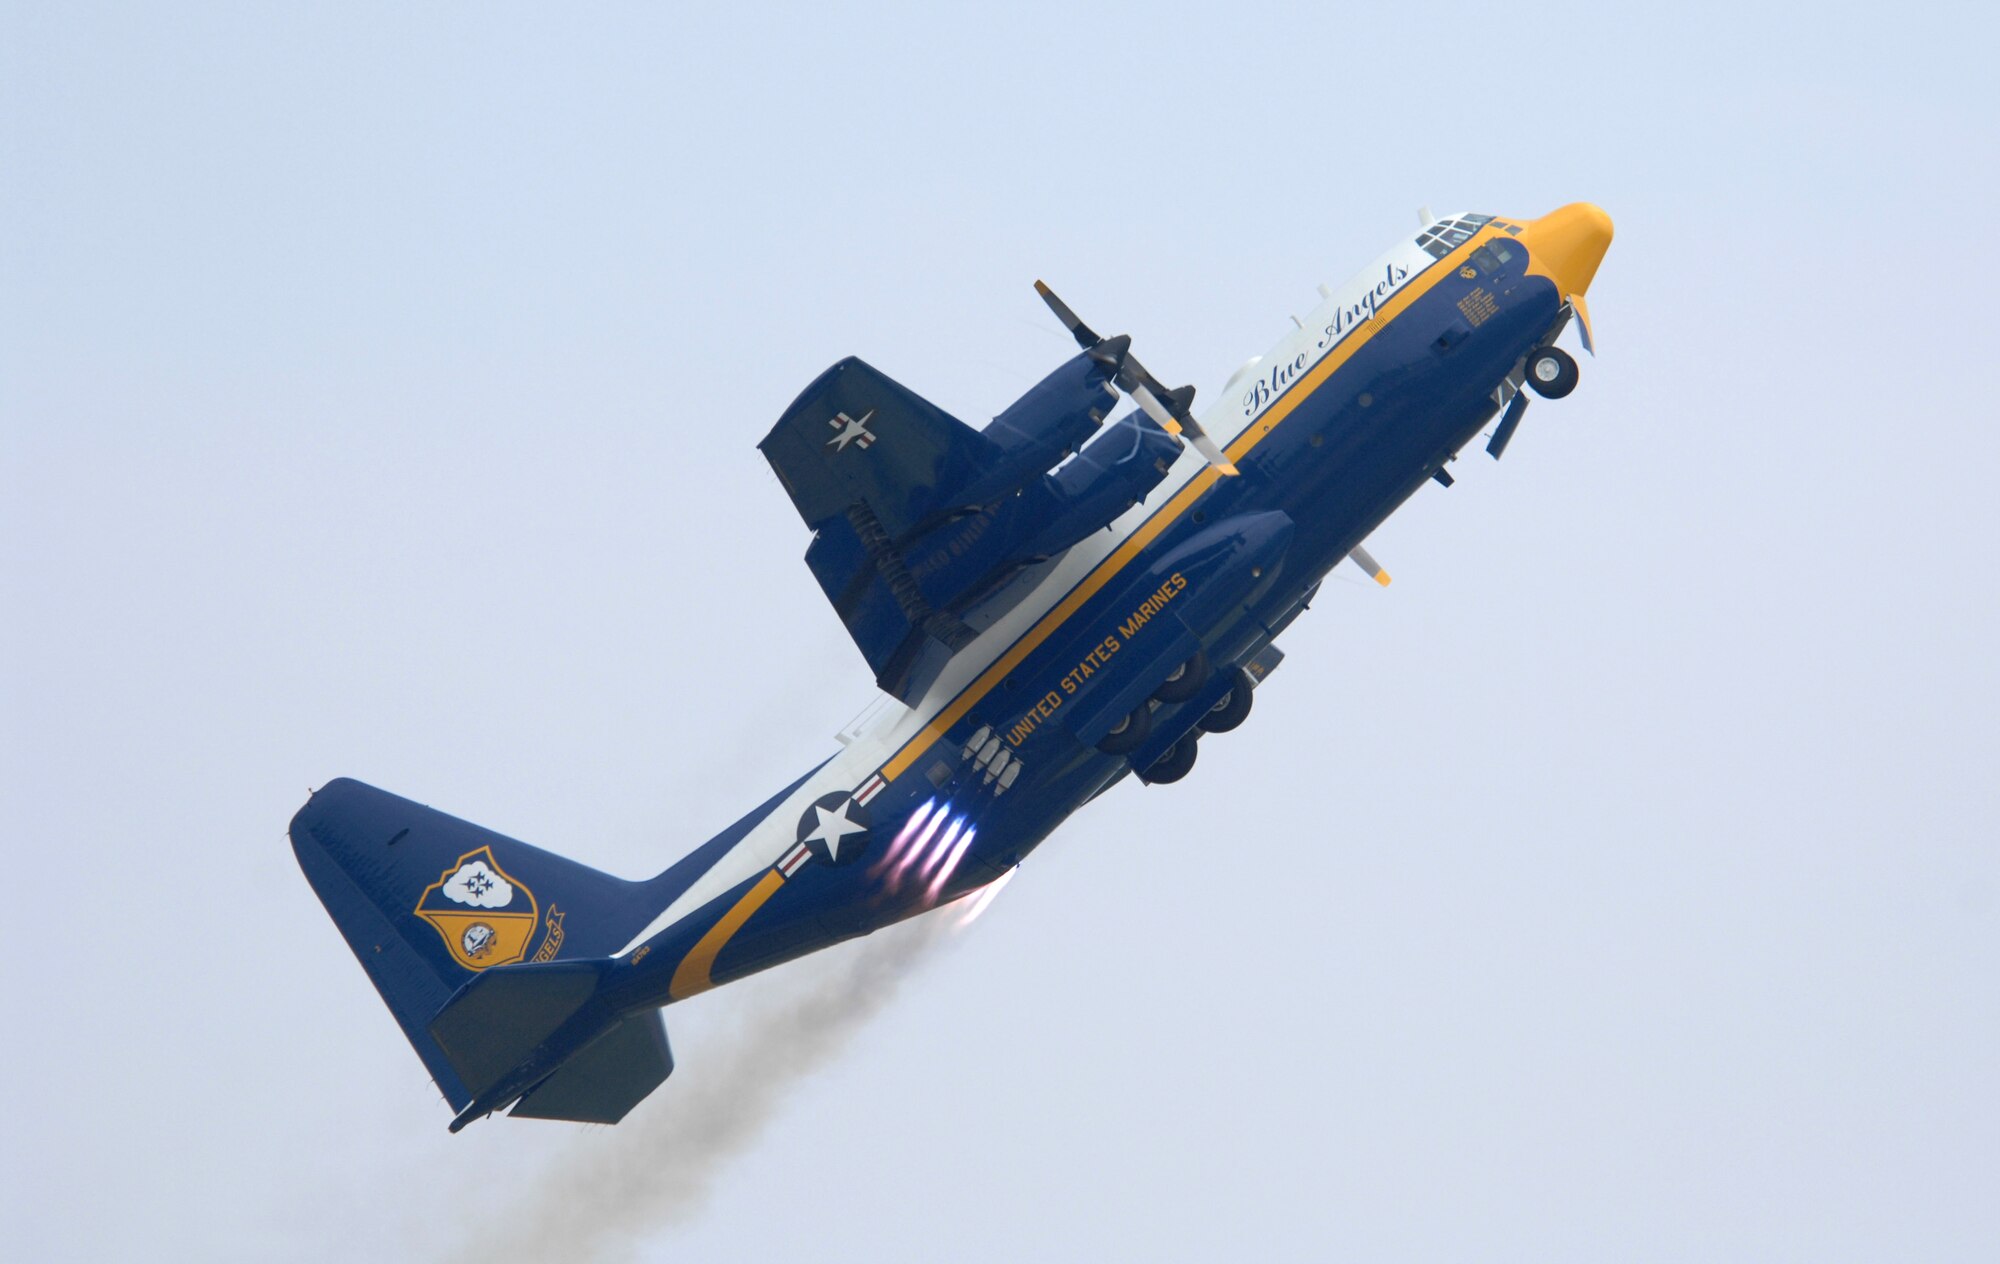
[
  {"x": 858, "y": 437},
  {"x": 871, "y": 466}
]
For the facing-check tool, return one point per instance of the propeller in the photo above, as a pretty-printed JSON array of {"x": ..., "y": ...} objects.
[
  {"x": 1170, "y": 409},
  {"x": 1583, "y": 323},
  {"x": 1366, "y": 561},
  {"x": 1503, "y": 434}
]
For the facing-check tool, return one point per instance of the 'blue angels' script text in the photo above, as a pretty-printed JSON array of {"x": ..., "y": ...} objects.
[{"x": 1281, "y": 375}]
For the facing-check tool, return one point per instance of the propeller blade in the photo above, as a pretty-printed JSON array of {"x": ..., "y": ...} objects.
[
  {"x": 1154, "y": 408},
  {"x": 1212, "y": 454},
  {"x": 1179, "y": 403},
  {"x": 1367, "y": 562},
  {"x": 1171, "y": 410},
  {"x": 1183, "y": 425},
  {"x": 1503, "y": 434},
  {"x": 1078, "y": 330},
  {"x": 1583, "y": 323}
]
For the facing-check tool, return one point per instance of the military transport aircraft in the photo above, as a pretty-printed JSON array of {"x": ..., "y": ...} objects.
[{"x": 1048, "y": 603}]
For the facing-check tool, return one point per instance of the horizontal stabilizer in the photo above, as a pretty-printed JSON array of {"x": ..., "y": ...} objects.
[
  {"x": 502, "y": 1016},
  {"x": 605, "y": 1081},
  {"x": 540, "y": 1038}
]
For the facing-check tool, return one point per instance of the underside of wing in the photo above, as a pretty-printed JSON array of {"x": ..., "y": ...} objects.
[
  {"x": 857, "y": 436},
  {"x": 920, "y": 523}
]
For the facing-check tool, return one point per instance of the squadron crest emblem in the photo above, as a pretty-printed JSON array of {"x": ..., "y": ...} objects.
[{"x": 484, "y": 914}]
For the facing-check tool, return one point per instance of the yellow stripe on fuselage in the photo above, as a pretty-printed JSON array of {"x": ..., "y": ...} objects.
[
  {"x": 692, "y": 974},
  {"x": 1151, "y": 529}
]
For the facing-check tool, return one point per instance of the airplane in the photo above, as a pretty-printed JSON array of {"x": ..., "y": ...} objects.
[{"x": 1049, "y": 604}]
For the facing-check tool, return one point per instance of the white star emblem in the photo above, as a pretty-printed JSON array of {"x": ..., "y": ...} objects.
[
  {"x": 833, "y": 826},
  {"x": 851, "y": 431}
]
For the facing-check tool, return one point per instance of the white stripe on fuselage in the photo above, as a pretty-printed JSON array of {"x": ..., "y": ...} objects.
[{"x": 1331, "y": 323}]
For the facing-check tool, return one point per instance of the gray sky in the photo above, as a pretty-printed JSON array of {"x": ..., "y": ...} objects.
[{"x": 378, "y": 390}]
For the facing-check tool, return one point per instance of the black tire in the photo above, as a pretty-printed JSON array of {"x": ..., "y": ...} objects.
[
  {"x": 1130, "y": 734},
  {"x": 1232, "y": 708},
  {"x": 1187, "y": 680},
  {"x": 1552, "y": 374},
  {"x": 1175, "y": 764}
]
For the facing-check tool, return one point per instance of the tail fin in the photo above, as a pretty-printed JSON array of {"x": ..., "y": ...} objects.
[{"x": 429, "y": 903}]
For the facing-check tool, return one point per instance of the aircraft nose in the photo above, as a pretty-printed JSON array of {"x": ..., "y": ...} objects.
[{"x": 1567, "y": 244}]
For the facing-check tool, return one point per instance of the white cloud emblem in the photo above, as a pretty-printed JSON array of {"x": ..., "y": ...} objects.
[{"x": 476, "y": 884}]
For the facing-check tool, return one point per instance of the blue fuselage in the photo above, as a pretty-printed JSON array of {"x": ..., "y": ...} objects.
[{"x": 1220, "y": 566}]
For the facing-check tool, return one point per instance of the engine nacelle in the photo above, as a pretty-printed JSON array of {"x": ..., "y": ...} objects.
[
  {"x": 1110, "y": 475},
  {"x": 959, "y": 564},
  {"x": 1040, "y": 429}
]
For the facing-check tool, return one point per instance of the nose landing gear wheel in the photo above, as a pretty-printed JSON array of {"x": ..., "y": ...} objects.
[
  {"x": 1129, "y": 733},
  {"x": 1232, "y": 708},
  {"x": 1186, "y": 681},
  {"x": 1175, "y": 764},
  {"x": 1552, "y": 374}
]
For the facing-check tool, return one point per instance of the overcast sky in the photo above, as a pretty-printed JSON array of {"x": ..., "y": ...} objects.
[{"x": 378, "y": 392}]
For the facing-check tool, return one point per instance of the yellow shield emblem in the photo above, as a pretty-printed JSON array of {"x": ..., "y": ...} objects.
[{"x": 483, "y": 913}]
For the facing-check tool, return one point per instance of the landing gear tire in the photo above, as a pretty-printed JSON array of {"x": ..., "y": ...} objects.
[
  {"x": 1130, "y": 732},
  {"x": 1175, "y": 764},
  {"x": 1552, "y": 374},
  {"x": 1232, "y": 708},
  {"x": 1186, "y": 681}
]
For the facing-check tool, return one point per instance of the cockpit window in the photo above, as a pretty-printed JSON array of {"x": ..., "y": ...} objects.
[
  {"x": 1441, "y": 238},
  {"x": 1490, "y": 256}
]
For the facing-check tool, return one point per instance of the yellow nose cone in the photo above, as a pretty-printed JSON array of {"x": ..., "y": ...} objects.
[{"x": 1566, "y": 245}]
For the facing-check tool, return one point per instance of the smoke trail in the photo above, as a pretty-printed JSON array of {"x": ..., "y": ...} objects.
[{"x": 615, "y": 1186}]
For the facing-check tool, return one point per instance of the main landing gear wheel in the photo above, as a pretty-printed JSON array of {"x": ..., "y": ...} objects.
[
  {"x": 1129, "y": 733},
  {"x": 1175, "y": 764},
  {"x": 1232, "y": 708},
  {"x": 1552, "y": 373},
  {"x": 1186, "y": 681}
]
